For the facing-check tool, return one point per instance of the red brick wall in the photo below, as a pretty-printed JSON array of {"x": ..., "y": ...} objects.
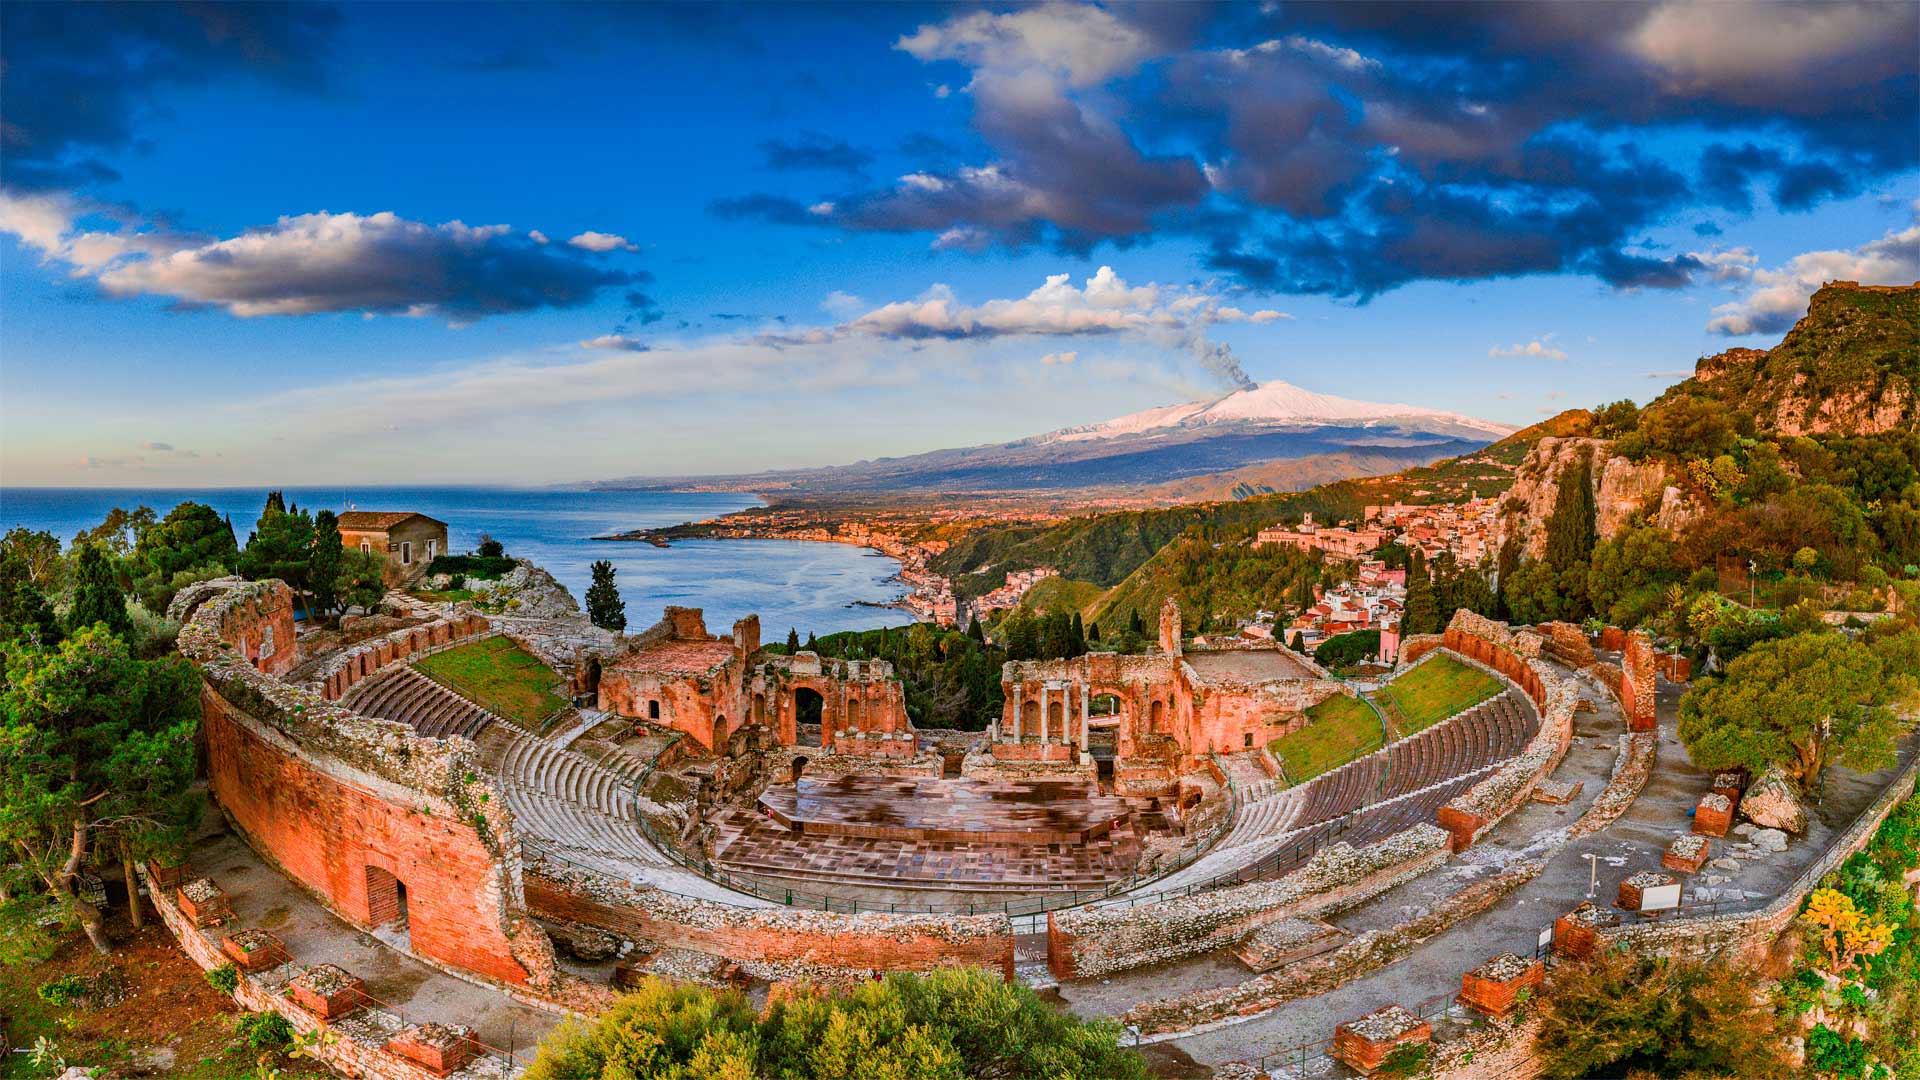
[
  {"x": 1637, "y": 688},
  {"x": 1500, "y": 660},
  {"x": 325, "y": 832},
  {"x": 861, "y": 942}
]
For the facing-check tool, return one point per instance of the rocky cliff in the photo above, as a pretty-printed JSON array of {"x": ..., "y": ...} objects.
[
  {"x": 1849, "y": 367},
  {"x": 1621, "y": 489}
]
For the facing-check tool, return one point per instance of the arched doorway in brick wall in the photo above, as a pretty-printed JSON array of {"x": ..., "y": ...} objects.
[
  {"x": 387, "y": 901},
  {"x": 808, "y": 710},
  {"x": 721, "y": 732}
]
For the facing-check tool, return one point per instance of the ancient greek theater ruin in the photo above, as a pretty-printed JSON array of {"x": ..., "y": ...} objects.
[{"x": 711, "y": 810}]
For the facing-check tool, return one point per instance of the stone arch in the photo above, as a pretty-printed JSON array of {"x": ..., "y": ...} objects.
[
  {"x": 1056, "y": 718},
  {"x": 1157, "y": 717},
  {"x": 852, "y": 712},
  {"x": 1107, "y": 704},
  {"x": 1029, "y": 717},
  {"x": 721, "y": 732},
  {"x": 759, "y": 713}
]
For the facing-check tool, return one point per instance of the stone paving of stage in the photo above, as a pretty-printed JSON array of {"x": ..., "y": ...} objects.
[
  {"x": 956, "y": 810},
  {"x": 748, "y": 842}
]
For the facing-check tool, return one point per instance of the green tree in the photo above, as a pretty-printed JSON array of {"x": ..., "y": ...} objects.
[
  {"x": 1570, "y": 528},
  {"x": 25, "y": 613},
  {"x": 1616, "y": 418},
  {"x": 951, "y": 1024},
  {"x": 604, "y": 606},
  {"x": 1804, "y": 702},
  {"x": 190, "y": 539},
  {"x": 41, "y": 551},
  {"x": 490, "y": 548},
  {"x": 793, "y": 641},
  {"x": 362, "y": 580},
  {"x": 97, "y": 597},
  {"x": 326, "y": 561},
  {"x": 95, "y": 744},
  {"x": 118, "y": 532}
]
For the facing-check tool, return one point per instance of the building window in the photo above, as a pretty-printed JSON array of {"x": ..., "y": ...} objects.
[
  {"x": 406, "y": 553},
  {"x": 433, "y": 549},
  {"x": 1249, "y": 738},
  {"x": 653, "y": 710},
  {"x": 366, "y": 545}
]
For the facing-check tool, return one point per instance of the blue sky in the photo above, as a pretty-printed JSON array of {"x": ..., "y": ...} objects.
[{"x": 535, "y": 244}]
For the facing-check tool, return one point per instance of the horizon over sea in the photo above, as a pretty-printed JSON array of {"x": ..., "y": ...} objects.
[{"x": 807, "y": 586}]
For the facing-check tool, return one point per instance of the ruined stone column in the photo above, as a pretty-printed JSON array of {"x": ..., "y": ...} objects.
[
  {"x": 1043, "y": 713},
  {"x": 1019, "y": 692},
  {"x": 1086, "y": 714}
]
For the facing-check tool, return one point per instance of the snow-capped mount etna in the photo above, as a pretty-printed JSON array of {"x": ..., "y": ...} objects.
[
  {"x": 1282, "y": 403},
  {"x": 1273, "y": 423}
]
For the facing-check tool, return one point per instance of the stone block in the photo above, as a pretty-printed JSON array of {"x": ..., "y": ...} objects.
[
  {"x": 254, "y": 949},
  {"x": 1713, "y": 815},
  {"x": 1365, "y": 1044},
  {"x": 1688, "y": 853},
  {"x": 437, "y": 1048},
  {"x": 1577, "y": 933},
  {"x": 1632, "y": 889},
  {"x": 327, "y": 991},
  {"x": 204, "y": 903},
  {"x": 1558, "y": 792},
  {"x": 1773, "y": 802},
  {"x": 1497, "y": 987},
  {"x": 1288, "y": 940},
  {"x": 1730, "y": 784},
  {"x": 169, "y": 875}
]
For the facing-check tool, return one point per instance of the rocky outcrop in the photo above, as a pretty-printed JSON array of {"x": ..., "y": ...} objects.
[
  {"x": 1772, "y": 802},
  {"x": 1846, "y": 368},
  {"x": 1622, "y": 489}
]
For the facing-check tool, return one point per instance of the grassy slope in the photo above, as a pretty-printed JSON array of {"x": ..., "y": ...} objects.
[
  {"x": 1434, "y": 691},
  {"x": 1062, "y": 594},
  {"x": 1338, "y": 730},
  {"x": 501, "y": 676}
]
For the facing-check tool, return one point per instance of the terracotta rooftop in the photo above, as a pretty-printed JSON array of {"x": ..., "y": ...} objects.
[
  {"x": 380, "y": 519},
  {"x": 679, "y": 656}
]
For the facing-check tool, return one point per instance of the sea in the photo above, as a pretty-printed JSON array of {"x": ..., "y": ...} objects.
[{"x": 806, "y": 586}]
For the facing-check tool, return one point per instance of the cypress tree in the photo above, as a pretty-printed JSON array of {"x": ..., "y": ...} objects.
[
  {"x": 1570, "y": 529},
  {"x": 96, "y": 595},
  {"x": 1423, "y": 608},
  {"x": 326, "y": 560},
  {"x": 813, "y": 644},
  {"x": 1076, "y": 636},
  {"x": 793, "y": 641},
  {"x": 604, "y": 606},
  {"x": 1093, "y": 631},
  {"x": 25, "y": 613}
]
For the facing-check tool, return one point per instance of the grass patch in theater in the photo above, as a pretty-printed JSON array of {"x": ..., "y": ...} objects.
[
  {"x": 502, "y": 676},
  {"x": 1436, "y": 690},
  {"x": 1338, "y": 730}
]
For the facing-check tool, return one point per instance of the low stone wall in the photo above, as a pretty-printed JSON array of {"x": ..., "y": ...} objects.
[
  {"x": 341, "y": 672},
  {"x": 1087, "y": 942},
  {"x": 802, "y": 943}
]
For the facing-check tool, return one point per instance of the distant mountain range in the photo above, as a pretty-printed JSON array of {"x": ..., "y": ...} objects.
[{"x": 1276, "y": 422}]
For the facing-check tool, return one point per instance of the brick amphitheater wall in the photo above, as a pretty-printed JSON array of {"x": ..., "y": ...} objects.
[
  {"x": 351, "y": 666},
  {"x": 1088, "y": 942},
  {"x": 325, "y": 794},
  {"x": 801, "y": 943}
]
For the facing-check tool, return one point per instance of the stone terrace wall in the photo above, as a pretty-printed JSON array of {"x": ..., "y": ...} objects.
[
  {"x": 1092, "y": 941},
  {"x": 802, "y": 943},
  {"x": 327, "y": 794}
]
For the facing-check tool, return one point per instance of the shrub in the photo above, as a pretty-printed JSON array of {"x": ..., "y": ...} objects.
[
  {"x": 64, "y": 991},
  {"x": 263, "y": 1030},
  {"x": 484, "y": 567},
  {"x": 489, "y": 547},
  {"x": 225, "y": 978},
  {"x": 1616, "y": 1012}
]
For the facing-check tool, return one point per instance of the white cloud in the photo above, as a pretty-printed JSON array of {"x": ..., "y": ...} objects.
[
  {"x": 1778, "y": 297},
  {"x": 1105, "y": 303},
  {"x": 842, "y": 305},
  {"x": 599, "y": 241},
  {"x": 1707, "y": 44},
  {"x": 312, "y": 263},
  {"x": 1080, "y": 43},
  {"x": 616, "y": 341},
  {"x": 537, "y": 236},
  {"x": 1333, "y": 54},
  {"x": 1060, "y": 358},
  {"x": 1537, "y": 349}
]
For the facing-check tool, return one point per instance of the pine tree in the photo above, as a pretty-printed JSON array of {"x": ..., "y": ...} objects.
[
  {"x": 96, "y": 595},
  {"x": 813, "y": 643},
  {"x": 275, "y": 504},
  {"x": 1093, "y": 631},
  {"x": 1298, "y": 644},
  {"x": 1076, "y": 636},
  {"x": 793, "y": 641},
  {"x": 604, "y": 606}
]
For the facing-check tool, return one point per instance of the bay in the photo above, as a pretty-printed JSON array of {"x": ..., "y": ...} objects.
[{"x": 810, "y": 587}]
